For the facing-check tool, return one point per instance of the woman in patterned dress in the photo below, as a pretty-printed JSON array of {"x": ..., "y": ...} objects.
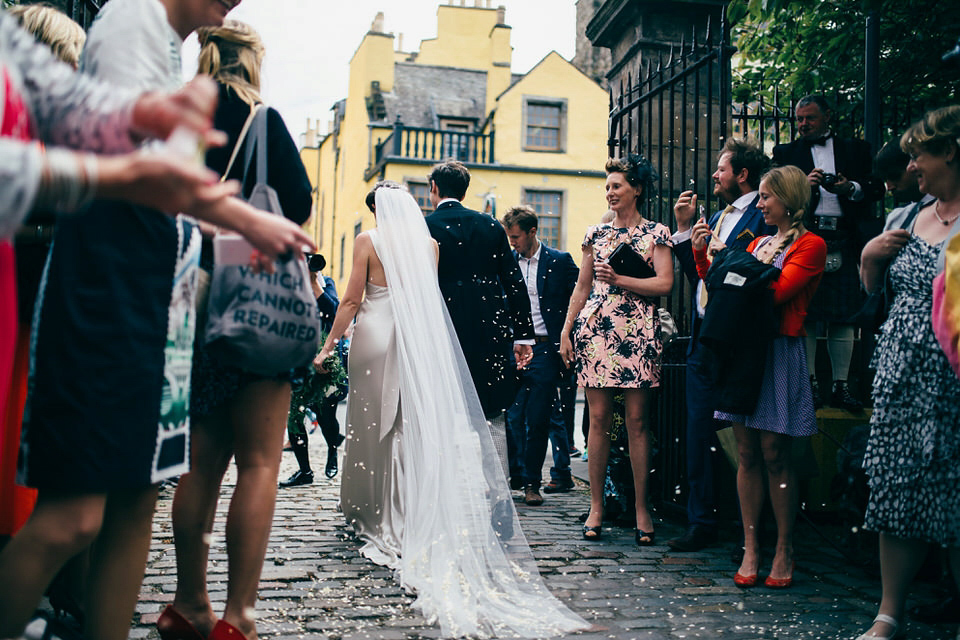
[
  {"x": 914, "y": 447},
  {"x": 612, "y": 334},
  {"x": 784, "y": 408}
]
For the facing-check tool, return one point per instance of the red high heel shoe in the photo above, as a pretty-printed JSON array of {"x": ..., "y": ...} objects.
[
  {"x": 780, "y": 583},
  {"x": 223, "y": 630},
  {"x": 745, "y": 582},
  {"x": 173, "y": 626}
]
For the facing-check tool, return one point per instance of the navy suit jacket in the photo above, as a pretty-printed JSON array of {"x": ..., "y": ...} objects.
[
  {"x": 556, "y": 277},
  {"x": 749, "y": 226},
  {"x": 485, "y": 295}
]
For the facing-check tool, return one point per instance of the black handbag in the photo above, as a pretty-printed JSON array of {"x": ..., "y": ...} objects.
[
  {"x": 876, "y": 307},
  {"x": 627, "y": 262}
]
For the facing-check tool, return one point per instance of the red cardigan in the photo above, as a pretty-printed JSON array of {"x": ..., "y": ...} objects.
[{"x": 798, "y": 281}]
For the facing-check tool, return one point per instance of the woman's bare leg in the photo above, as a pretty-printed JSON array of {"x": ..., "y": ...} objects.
[
  {"x": 59, "y": 528},
  {"x": 782, "y": 483},
  {"x": 751, "y": 493},
  {"x": 638, "y": 435},
  {"x": 900, "y": 560},
  {"x": 600, "y": 402},
  {"x": 259, "y": 418},
  {"x": 194, "y": 507},
  {"x": 118, "y": 560}
]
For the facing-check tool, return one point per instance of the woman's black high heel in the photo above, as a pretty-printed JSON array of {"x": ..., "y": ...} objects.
[
  {"x": 644, "y": 538},
  {"x": 592, "y": 533}
]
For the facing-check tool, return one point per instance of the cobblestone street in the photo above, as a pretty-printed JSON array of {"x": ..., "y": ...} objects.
[{"x": 315, "y": 584}]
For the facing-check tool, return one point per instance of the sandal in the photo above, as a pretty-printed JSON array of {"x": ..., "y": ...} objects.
[
  {"x": 645, "y": 539},
  {"x": 592, "y": 533},
  {"x": 890, "y": 620}
]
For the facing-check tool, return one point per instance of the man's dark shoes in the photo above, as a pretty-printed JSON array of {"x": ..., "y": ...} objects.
[
  {"x": 843, "y": 399},
  {"x": 532, "y": 497},
  {"x": 516, "y": 484},
  {"x": 943, "y": 611},
  {"x": 695, "y": 539},
  {"x": 332, "y": 466},
  {"x": 558, "y": 486},
  {"x": 299, "y": 478}
]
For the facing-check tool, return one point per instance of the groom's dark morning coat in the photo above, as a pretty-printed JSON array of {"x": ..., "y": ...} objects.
[{"x": 486, "y": 297}]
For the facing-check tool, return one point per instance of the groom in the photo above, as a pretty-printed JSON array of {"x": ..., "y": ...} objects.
[{"x": 483, "y": 289}]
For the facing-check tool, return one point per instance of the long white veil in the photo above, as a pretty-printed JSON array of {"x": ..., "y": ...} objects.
[{"x": 462, "y": 551}]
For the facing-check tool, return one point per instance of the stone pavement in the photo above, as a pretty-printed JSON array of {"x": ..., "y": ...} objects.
[{"x": 315, "y": 584}]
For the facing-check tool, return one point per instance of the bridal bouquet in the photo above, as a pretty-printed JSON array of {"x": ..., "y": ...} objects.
[{"x": 310, "y": 388}]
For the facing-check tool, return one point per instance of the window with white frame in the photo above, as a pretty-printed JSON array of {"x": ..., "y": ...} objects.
[
  {"x": 549, "y": 208},
  {"x": 544, "y": 123}
]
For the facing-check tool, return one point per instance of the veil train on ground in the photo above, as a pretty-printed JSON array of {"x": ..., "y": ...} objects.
[{"x": 463, "y": 553}]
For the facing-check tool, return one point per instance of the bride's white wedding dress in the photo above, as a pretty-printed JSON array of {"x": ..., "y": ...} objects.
[{"x": 422, "y": 484}]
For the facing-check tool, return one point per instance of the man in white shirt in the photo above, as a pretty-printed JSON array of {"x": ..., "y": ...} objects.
[{"x": 549, "y": 276}]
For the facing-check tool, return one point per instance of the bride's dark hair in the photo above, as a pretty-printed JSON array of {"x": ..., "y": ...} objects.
[{"x": 371, "y": 198}]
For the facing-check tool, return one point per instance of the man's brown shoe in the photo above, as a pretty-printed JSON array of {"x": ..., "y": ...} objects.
[{"x": 532, "y": 496}]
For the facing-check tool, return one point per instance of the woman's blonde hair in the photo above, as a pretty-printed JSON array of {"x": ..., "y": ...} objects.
[
  {"x": 231, "y": 54},
  {"x": 790, "y": 186},
  {"x": 53, "y": 28},
  {"x": 934, "y": 133}
]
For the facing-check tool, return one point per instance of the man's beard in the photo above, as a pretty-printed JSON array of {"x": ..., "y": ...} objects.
[{"x": 727, "y": 195}]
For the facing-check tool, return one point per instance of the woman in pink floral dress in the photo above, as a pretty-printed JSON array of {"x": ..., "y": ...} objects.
[{"x": 615, "y": 342}]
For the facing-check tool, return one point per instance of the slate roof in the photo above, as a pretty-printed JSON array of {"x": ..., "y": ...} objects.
[{"x": 421, "y": 93}]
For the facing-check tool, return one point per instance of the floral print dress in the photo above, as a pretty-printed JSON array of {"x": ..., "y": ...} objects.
[{"x": 616, "y": 337}]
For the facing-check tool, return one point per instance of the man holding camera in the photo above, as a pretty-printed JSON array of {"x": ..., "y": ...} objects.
[{"x": 840, "y": 212}]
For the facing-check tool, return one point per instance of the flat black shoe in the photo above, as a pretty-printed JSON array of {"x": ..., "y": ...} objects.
[
  {"x": 332, "y": 466},
  {"x": 696, "y": 538},
  {"x": 644, "y": 538},
  {"x": 592, "y": 533},
  {"x": 299, "y": 478},
  {"x": 843, "y": 399}
]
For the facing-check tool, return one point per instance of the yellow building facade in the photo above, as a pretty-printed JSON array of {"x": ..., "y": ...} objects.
[{"x": 537, "y": 138}]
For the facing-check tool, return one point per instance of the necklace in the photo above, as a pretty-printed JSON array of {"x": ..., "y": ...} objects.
[{"x": 946, "y": 223}]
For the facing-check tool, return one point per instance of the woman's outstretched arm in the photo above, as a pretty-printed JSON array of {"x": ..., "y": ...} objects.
[{"x": 352, "y": 297}]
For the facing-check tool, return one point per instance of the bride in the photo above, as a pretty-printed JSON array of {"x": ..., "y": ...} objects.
[{"x": 418, "y": 444}]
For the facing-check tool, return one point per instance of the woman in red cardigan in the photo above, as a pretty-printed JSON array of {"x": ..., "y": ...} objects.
[{"x": 785, "y": 408}]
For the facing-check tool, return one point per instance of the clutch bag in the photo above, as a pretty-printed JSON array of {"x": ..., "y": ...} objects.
[{"x": 627, "y": 262}]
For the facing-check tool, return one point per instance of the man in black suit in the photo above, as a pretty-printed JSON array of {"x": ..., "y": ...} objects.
[
  {"x": 839, "y": 172},
  {"x": 739, "y": 167},
  {"x": 549, "y": 276},
  {"x": 482, "y": 287}
]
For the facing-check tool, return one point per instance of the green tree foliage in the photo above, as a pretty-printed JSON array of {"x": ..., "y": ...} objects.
[{"x": 817, "y": 46}]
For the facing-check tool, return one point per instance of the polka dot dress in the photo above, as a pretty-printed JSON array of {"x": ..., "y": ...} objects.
[{"x": 913, "y": 454}]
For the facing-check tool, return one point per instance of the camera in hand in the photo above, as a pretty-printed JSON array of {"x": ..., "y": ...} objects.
[
  {"x": 829, "y": 179},
  {"x": 316, "y": 262}
]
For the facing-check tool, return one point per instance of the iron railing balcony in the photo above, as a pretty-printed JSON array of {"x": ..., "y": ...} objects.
[{"x": 423, "y": 145}]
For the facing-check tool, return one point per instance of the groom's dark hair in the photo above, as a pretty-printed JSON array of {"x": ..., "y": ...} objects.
[{"x": 452, "y": 179}]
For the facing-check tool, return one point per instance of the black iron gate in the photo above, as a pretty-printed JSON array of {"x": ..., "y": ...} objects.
[{"x": 676, "y": 113}]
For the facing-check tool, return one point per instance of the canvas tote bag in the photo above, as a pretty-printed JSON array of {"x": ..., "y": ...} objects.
[{"x": 265, "y": 323}]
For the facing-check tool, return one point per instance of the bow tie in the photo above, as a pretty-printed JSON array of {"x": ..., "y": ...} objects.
[{"x": 822, "y": 140}]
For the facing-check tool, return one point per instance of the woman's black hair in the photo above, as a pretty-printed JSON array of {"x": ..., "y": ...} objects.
[{"x": 638, "y": 171}]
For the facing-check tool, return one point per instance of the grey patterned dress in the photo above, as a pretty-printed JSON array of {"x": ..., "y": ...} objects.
[{"x": 914, "y": 448}]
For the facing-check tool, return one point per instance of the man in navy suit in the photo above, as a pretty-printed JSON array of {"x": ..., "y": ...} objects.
[
  {"x": 739, "y": 166},
  {"x": 483, "y": 289},
  {"x": 550, "y": 276}
]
